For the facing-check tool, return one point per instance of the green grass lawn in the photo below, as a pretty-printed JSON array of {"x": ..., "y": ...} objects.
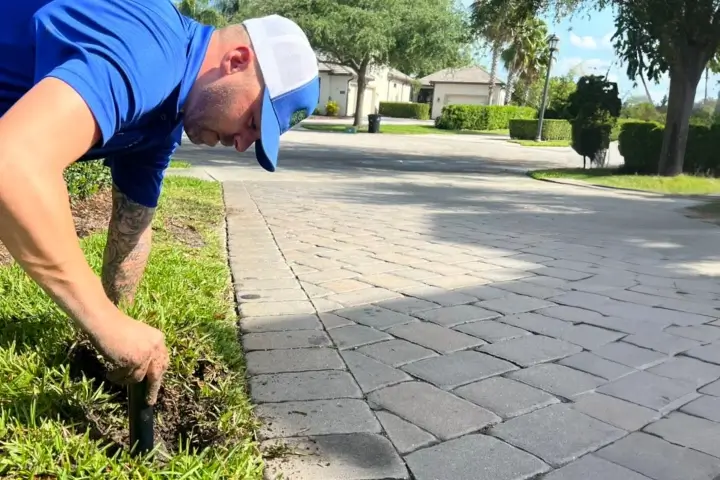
[
  {"x": 180, "y": 164},
  {"x": 399, "y": 129},
  {"x": 545, "y": 143},
  {"x": 680, "y": 185},
  {"x": 57, "y": 417}
]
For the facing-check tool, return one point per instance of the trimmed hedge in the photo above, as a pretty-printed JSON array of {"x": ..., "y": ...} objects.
[
  {"x": 420, "y": 111},
  {"x": 640, "y": 144},
  {"x": 481, "y": 117},
  {"x": 523, "y": 129}
]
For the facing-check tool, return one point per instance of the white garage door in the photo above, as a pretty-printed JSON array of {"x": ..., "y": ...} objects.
[{"x": 466, "y": 99}]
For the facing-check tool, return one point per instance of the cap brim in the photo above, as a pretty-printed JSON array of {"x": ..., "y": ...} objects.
[{"x": 267, "y": 147}]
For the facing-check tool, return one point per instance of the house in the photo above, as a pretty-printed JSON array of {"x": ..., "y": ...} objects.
[
  {"x": 339, "y": 83},
  {"x": 465, "y": 86}
]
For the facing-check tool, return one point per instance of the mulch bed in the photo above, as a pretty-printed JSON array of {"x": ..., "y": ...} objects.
[{"x": 90, "y": 215}]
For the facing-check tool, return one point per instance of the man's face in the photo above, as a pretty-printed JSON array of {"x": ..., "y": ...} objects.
[{"x": 226, "y": 108}]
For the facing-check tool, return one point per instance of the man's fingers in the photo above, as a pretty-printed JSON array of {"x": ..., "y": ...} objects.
[{"x": 154, "y": 377}]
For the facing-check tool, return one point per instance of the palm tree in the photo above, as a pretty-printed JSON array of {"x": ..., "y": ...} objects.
[
  {"x": 202, "y": 11},
  {"x": 525, "y": 56},
  {"x": 495, "y": 27}
]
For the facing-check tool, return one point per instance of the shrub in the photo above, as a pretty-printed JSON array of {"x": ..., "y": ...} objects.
[
  {"x": 420, "y": 111},
  {"x": 481, "y": 117},
  {"x": 640, "y": 144},
  {"x": 594, "y": 108},
  {"x": 523, "y": 129},
  {"x": 84, "y": 179},
  {"x": 332, "y": 109}
]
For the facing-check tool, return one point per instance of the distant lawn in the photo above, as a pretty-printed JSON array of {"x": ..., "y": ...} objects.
[
  {"x": 399, "y": 129},
  {"x": 180, "y": 164},
  {"x": 545, "y": 143},
  {"x": 680, "y": 185}
]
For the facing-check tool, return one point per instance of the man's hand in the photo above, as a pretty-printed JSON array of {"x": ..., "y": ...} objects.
[
  {"x": 47, "y": 129},
  {"x": 127, "y": 248}
]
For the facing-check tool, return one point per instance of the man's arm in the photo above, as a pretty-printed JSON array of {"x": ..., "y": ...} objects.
[{"x": 127, "y": 249}]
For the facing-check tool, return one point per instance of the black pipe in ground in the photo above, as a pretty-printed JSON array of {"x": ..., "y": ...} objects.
[{"x": 141, "y": 418}]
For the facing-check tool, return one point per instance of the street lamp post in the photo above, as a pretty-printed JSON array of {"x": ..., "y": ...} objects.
[{"x": 552, "y": 41}]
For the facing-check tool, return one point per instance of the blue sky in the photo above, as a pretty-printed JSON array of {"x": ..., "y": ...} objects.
[{"x": 585, "y": 44}]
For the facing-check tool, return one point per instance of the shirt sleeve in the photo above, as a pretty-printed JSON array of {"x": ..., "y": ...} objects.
[
  {"x": 140, "y": 175},
  {"x": 123, "y": 57}
]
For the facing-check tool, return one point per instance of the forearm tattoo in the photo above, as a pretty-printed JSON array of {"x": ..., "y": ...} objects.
[{"x": 127, "y": 248}]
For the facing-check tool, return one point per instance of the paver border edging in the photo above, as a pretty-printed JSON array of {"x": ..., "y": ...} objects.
[{"x": 640, "y": 193}]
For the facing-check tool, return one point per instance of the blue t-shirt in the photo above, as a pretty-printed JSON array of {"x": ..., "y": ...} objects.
[{"x": 133, "y": 62}]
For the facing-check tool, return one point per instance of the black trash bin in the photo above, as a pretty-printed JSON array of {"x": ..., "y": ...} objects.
[{"x": 374, "y": 123}]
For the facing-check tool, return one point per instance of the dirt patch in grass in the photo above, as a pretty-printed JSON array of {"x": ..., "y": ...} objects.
[
  {"x": 90, "y": 215},
  {"x": 184, "y": 232},
  {"x": 183, "y": 420}
]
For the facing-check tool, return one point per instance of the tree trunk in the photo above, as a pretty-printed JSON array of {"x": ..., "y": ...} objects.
[
  {"x": 707, "y": 74},
  {"x": 360, "y": 97},
  {"x": 493, "y": 71},
  {"x": 684, "y": 78},
  {"x": 510, "y": 87}
]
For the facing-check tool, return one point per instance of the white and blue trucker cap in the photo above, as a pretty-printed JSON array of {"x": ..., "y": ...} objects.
[{"x": 292, "y": 88}]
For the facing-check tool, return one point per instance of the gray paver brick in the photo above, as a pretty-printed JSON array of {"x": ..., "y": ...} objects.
[
  {"x": 396, "y": 352},
  {"x": 404, "y": 435},
  {"x": 407, "y": 305},
  {"x": 557, "y": 434},
  {"x": 491, "y": 331},
  {"x": 597, "y": 366},
  {"x": 557, "y": 379},
  {"x": 630, "y": 355},
  {"x": 363, "y": 296},
  {"x": 708, "y": 353},
  {"x": 662, "y": 342},
  {"x": 706, "y": 407},
  {"x": 591, "y": 467},
  {"x": 273, "y": 295},
  {"x": 711, "y": 389},
  {"x": 590, "y": 337},
  {"x": 701, "y": 333},
  {"x": 371, "y": 374},
  {"x": 474, "y": 457},
  {"x": 374, "y": 316},
  {"x": 259, "y": 309},
  {"x": 651, "y": 391},
  {"x": 356, "y": 335},
  {"x": 316, "y": 385},
  {"x": 438, "y": 295},
  {"x": 513, "y": 304},
  {"x": 688, "y": 431},
  {"x": 419, "y": 403},
  {"x": 450, "y": 371},
  {"x": 456, "y": 315},
  {"x": 541, "y": 324},
  {"x": 315, "y": 417},
  {"x": 686, "y": 368},
  {"x": 435, "y": 337},
  {"x": 531, "y": 349},
  {"x": 288, "y": 339},
  {"x": 293, "y": 360},
  {"x": 660, "y": 460},
  {"x": 279, "y": 323},
  {"x": 358, "y": 456},
  {"x": 330, "y": 321},
  {"x": 614, "y": 411},
  {"x": 505, "y": 397}
]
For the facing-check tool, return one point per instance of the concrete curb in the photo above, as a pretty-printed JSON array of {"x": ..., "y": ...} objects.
[{"x": 639, "y": 193}]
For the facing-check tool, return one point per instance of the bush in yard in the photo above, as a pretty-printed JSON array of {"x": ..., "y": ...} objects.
[
  {"x": 523, "y": 129},
  {"x": 332, "y": 109},
  {"x": 419, "y": 111},
  {"x": 640, "y": 144},
  {"x": 594, "y": 108},
  {"x": 84, "y": 179},
  {"x": 481, "y": 117}
]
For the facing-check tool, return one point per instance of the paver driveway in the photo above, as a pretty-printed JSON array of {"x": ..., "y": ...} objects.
[{"x": 456, "y": 322}]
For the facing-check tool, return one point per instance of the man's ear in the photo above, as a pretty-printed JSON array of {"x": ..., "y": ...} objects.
[{"x": 237, "y": 60}]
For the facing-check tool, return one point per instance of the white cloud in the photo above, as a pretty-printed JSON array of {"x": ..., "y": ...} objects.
[
  {"x": 583, "y": 66},
  {"x": 582, "y": 42},
  {"x": 612, "y": 78},
  {"x": 606, "y": 41}
]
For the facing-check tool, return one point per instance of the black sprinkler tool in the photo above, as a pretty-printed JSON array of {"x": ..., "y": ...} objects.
[{"x": 142, "y": 438}]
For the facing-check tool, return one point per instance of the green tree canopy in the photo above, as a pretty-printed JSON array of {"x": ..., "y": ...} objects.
[{"x": 414, "y": 36}]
